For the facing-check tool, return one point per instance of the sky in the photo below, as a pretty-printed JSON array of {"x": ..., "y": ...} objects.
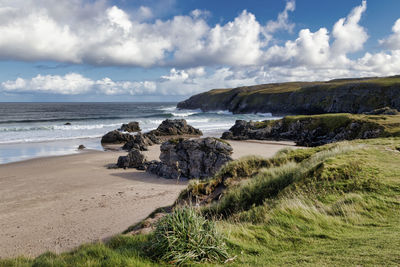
[{"x": 167, "y": 50}]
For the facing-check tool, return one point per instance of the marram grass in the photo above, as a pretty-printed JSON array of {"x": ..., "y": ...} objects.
[{"x": 185, "y": 237}]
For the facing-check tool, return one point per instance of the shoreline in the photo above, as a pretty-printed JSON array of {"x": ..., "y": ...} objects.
[{"x": 57, "y": 203}]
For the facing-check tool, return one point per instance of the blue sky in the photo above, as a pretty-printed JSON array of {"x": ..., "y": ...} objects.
[{"x": 149, "y": 50}]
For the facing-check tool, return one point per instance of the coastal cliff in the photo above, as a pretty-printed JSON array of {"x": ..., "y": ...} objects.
[{"x": 335, "y": 96}]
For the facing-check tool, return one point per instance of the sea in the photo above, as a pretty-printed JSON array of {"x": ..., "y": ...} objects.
[{"x": 31, "y": 130}]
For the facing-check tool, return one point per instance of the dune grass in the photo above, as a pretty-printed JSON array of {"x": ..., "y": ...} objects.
[{"x": 334, "y": 205}]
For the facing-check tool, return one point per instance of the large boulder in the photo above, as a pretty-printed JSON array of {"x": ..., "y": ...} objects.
[
  {"x": 134, "y": 159},
  {"x": 196, "y": 158},
  {"x": 130, "y": 127},
  {"x": 175, "y": 127},
  {"x": 116, "y": 137}
]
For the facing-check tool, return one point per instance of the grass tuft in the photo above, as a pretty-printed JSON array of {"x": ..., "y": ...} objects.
[{"x": 185, "y": 237}]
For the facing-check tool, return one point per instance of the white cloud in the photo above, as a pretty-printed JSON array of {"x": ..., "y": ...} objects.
[
  {"x": 349, "y": 35},
  {"x": 73, "y": 84},
  {"x": 282, "y": 22},
  {"x": 393, "y": 41},
  {"x": 70, "y": 84},
  {"x": 202, "y": 56}
]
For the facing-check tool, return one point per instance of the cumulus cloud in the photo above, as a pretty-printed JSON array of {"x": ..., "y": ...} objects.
[
  {"x": 70, "y": 84},
  {"x": 282, "y": 22},
  {"x": 349, "y": 35},
  {"x": 74, "y": 83},
  {"x": 200, "y": 56},
  {"x": 92, "y": 32},
  {"x": 393, "y": 41}
]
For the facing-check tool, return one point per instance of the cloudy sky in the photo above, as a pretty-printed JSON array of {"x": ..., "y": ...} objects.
[{"x": 166, "y": 50}]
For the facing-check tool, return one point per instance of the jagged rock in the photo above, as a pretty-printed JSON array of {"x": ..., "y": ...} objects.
[
  {"x": 305, "y": 131},
  {"x": 130, "y": 127},
  {"x": 81, "y": 147},
  {"x": 175, "y": 127},
  {"x": 116, "y": 137},
  {"x": 134, "y": 159},
  {"x": 383, "y": 111},
  {"x": 141, "y": 142},
  {"x": 197, "y": 158}
]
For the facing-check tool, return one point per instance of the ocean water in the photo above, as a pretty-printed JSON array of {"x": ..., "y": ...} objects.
[{"x": 29, "y": 130}]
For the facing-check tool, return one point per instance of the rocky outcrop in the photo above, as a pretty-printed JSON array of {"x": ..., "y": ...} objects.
[
  {"x": 383, "y": 111},
  {"x": 197, "y": 158},
  {"x": 164, "y": 131},
  {"x": 130, "y": 127},
  {"x": 175, "y": 127},
  {"x": 134, "y": 159},
  {"x": 336, "y": 96},
  {"x": 142, "y": 142},
  {"x": 116, "y": 137},
  {"x": 122, "y": 135},
  {"x": 315, "y": 130}
]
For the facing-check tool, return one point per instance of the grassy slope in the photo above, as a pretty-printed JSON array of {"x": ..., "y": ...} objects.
[
  {"x": 337, "y": 204},
  {"x": 345, "y": 212},
  {"x": 274, "y": 88}
]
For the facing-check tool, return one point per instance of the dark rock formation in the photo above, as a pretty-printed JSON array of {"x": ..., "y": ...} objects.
[
  {"x": 309, "y": 130},
  {"x": 81, "y": 147},
  {"x": 134, "y": 159},
  {"x": 116, "y": 137},
  {"x": 130, "y": 127},
  {"x": 67, "y": 123},
  {"x": 141, "y": 142},
  {"x": 175, "y": 127},
  {"x": 336, "y": 96},
  {"x": 165, "y": 130},
  {"x": 383, "y": 111},
  {"x": 197, "y": 158}
]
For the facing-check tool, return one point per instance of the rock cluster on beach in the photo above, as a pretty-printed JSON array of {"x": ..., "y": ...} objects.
[
  {"x": 180, "y": 157},
  {"x": 197, "y": 158},
  {"x": 131, "y": 135},
  {"x": 308, "y": 130},
  {"x": 165, "y": 130}
]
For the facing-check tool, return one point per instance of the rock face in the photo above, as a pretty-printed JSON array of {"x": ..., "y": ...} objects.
[
  {"x": 197, "y": 158},
  {"x": 130, "y": 127},
  {"x": 134, "y": 159},
  {"x": 336, "y": 96},
  {"x": 141, "y": 142},
  {"x": 175, "y": 127},
  {"x": 307, "y": 130},
  {"x": 116, "y": 137}
]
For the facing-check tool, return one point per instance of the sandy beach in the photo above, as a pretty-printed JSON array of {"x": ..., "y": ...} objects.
[{"x": 58, "y": 203}]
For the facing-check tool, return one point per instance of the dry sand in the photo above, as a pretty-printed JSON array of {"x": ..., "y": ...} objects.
[{"x": 58, "y": 203}]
